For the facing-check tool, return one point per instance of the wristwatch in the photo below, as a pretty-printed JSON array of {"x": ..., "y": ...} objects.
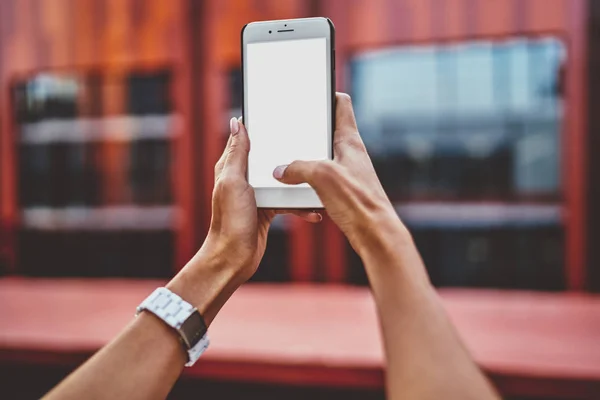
[{"x": 181, "y": 316}]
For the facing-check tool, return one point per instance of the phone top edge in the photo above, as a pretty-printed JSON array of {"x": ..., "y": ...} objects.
[
  {"x": 276, "y": 21},
  {"x": 330, "y": 22},
  {"x": 243, "y": 29},
  {"x": 287, "y": 29}
]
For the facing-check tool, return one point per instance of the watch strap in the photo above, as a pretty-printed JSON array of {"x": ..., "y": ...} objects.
[{"x": 181, "y": 316}]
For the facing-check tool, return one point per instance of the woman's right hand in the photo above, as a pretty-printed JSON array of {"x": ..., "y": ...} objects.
[
  {"x": 348, "y": 185},
  {"x": 424, "y": 355}
]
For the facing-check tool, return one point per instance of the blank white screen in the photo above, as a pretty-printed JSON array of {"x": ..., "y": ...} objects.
[{"x": 287, "y": 105}]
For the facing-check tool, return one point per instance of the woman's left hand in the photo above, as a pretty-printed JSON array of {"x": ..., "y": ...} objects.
[
  {"x": 238, "y": 230},
  {"x": 237, "y": 237}
]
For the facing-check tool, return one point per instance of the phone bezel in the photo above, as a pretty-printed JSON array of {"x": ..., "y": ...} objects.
[{"x": 294, "y": 29}]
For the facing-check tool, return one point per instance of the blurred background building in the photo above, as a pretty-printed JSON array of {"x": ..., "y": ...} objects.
[{"x": 479, "y": 116}]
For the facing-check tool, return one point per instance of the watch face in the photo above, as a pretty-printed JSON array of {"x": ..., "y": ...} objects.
[{"x": 193, "y": 329}]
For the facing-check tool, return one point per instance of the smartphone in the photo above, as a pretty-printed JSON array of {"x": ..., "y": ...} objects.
[{"x": 288, "y": 108}]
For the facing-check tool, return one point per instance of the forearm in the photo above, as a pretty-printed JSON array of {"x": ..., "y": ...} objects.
[
  {"x": 146, "y": 359},
  {"x": 425, "y": 356},
  {"x": 143, "y": 362}
]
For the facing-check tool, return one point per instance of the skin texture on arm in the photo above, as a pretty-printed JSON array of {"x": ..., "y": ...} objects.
[
  {"x": 425, "y": 357},
  {"x": 145, "y": 360}
]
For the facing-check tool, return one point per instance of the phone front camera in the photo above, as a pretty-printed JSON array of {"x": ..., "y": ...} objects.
[{"x": 269, "y": 31}]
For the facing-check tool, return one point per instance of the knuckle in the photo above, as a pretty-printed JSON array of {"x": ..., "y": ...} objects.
[
  {"x": 296, "y": 168},
  {"x": 354, "y": 141},
  {"x": 232, "y": 148},
  {"x": 226, "y": 182},
  {"x": 327, "y": 171},
  {"x": 238, "y": 145},
  {"x": 219, "y": 166},
  {"x": 294, "y": 164}
]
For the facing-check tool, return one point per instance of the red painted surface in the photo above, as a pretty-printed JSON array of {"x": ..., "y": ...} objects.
[
  {"x": 529, "y": 343},
  {"x": 574, "y": 144},
  {"x": 182, "y": 173},
  {"x": 8, "y": 208},
  {"x": 301, "y": 251},
  {"x": 34, "y": 37}
]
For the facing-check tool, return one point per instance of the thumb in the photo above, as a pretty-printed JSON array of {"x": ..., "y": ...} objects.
[
  {"x": 297, "y": 172},
  {"x": 237, "y": 154}
]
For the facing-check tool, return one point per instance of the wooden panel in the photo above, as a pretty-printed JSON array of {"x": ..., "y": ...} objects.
[
  {"x": 153, "y": 39},
  {"x": 116, "y": 46},
  {"x": 213, "y": 111},
  {"x": 20, "y": 43},
  {"x": 389, "y": 21},
  {"x": 85, "y": 45},
  {"x": 113, "y": 154},
  {"x": 549, "y": 15},
  {"x": 398, "y": 22},
  {"x": 67, "y": 33},
  {"x": 367, "y": 21},
  {"x": 301, "y": 251},
  {"x": 574, "y": 140},
  {"x": 183, "y": 174},
  {"x": 341, "y": 15},
  {"x": 8, "y": 210},
  {"x": 125, "y": 33},
  {"x": 455, "y": 18},
  {"x": 3, "y": 138},
  {"x": 56, "y": 31},
  {"x": 6, "y": 171},
  {"x": 495, "y": 17},
  {"x": 420, "y": 14}
]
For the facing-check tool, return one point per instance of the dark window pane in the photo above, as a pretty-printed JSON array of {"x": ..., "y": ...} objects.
[
  {"x": 236, "y": 89},
  {"x": 149, "y": 93}
]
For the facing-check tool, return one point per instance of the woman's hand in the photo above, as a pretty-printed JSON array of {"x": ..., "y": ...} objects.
[
  {"x": 424, "y": 356},
  {"x": 238, "y": 230},
  {"x": 348, "y": 185},
  {"x": 237, "y": 236}
]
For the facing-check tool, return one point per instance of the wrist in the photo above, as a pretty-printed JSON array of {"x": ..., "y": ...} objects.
[
  {"x": 387, "y": 249},
  {"x": 380, "y": 233},
  {"x": 233, "y": 253},
  {"x": 207, "y": 281}
]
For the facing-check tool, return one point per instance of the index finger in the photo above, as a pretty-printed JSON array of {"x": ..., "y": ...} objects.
[
  {"x": 236, "y": 160},
  {"x": 346, "y": 131},
  {"x": 221, "y": 163},
  {"x": 344, "y": 113}
]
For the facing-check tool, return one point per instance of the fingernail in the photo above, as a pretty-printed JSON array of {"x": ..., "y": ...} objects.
[
  {"x": 278, "y": 172},
  {"x": 234, "y": 126}
]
